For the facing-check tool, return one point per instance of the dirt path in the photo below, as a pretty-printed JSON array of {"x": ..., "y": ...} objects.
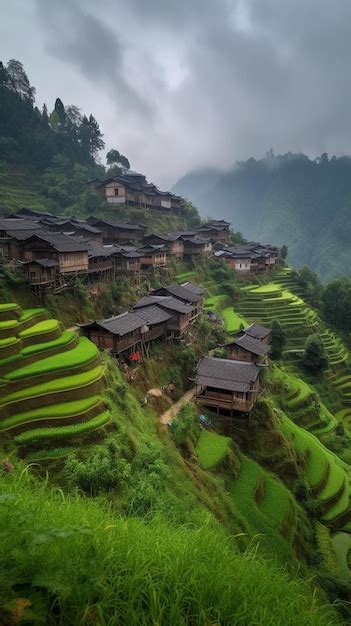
[{"x": 175, "y": 408}]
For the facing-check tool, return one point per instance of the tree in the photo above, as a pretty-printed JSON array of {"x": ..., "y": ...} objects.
[
  {"x": 336, "y": 303},
  {"x": 90, "y": 136},
  {"x": 284, "y": 252},
  {"x": 315, "y": 357},
  {"x": 18, "y": 80},
  {"x": 278, "y": 340},
  {"x": 113, "y": 157},
  {"x": 60, "y": 111}
]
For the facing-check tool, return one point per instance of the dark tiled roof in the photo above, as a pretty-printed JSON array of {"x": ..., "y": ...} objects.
[
  {"x": 43, "y": 262},
  {"x": 258, "y": 331},
  {"x": 60, "y": 242},
  {"x": 34, "y": 213},
  {"x": 21, "y": 235},
  {"x": 122, "y": 324},
  {"x": 154, "y": 315},
  {"x": 14, "y": 224},
  {"x": 251, "y": 344},
  {"x": 118, "y": 225},
  {"x": 166, "y": 302},
  {"x": 226, "y": 374},
  {"x": 182, "y": 293},
  {"x": 194, "y": 289},
  {"x": 96, "y": 250}
]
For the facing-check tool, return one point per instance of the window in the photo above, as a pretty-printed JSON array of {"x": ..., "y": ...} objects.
[{"x": 116, "y": 191}]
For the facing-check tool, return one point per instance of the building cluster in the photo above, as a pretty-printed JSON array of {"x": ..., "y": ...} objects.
[
  {"x": 51, "y": 249},
  {"x": 230, "y": 385},
  {"x": 164, "y": 313},
  {"x": 249, "y": 258},
  {"x": 132, "y": 189}
]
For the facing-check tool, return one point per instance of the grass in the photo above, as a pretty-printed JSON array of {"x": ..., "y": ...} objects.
[
  {"x": 41, "y": 327},
  {"x": 73, "y": 430},
  {"x": 232, "y": 320},
  {"x": 211, "y": 449},
  {"x": 276, "y": 502},
  {"x": 5, "y": 325},
  {"x": 82, "y": 354},
  {"x": 51, "y": 454},
  {"x": 102, "y": 569},
  {"x": 182, "y": 278},
  {"x": 63, "y": 409}
]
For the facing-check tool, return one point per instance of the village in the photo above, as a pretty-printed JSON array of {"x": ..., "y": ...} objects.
[{"x": 52, "y": 251}]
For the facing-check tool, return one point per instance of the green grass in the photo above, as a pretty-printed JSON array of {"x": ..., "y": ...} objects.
[
  {"x": 82, "y": 354},
  {"x": 232, "y": 320},
  {"x": 51, "y": 454},
  {"x": 211, "y": 449},
  {"x": 41, "y": 327},
  {"x": 58, "y": 384},
  {"x": 73, "y": 430},
  {"x": 8, "y": 306},
  {"x": 182, "y": 278},
  {"x": 244, "y": 487},
  {"x": 276, "y": 502},
  {"x": 65, "y": 338},
  {"x": 103, "y": 569},
  {"x": 64, "y": 409}
]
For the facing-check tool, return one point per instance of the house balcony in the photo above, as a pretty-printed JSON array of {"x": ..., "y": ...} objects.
[{"x": 226, "y": 401}]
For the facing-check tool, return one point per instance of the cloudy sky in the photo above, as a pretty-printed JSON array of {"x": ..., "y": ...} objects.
[{"x": 182, "y": 84}]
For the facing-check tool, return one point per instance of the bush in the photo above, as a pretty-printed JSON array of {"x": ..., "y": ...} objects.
[
  {"x": 103, "y": 471},
  {"x": 315, "y": 357},
  {"x": 278, "y": 340},
  {"x": 185, "y": 426}
]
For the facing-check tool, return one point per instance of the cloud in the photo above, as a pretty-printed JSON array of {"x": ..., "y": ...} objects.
[{"x": 179, "y": 85}]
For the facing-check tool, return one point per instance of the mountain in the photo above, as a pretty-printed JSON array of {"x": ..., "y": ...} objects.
[{"x": 287, "y": 199}]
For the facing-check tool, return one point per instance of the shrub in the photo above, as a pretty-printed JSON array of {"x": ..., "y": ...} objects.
[
  {"x": 278, "y": 340},
  {"x": 315, "y": 357},
  {"x": 185, "y": 425}
]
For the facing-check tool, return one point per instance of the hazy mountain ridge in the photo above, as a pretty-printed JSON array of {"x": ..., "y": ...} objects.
[{"x": 285, "y": 199}]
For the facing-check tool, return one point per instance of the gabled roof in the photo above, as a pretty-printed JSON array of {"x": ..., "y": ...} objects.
[
  {"x": 59, "y": 241},
  {"x": 148, "y": 247},
  {"x": 43, "y": 262},
  {"x": 226, "y": 374},
  {"x": 154, "y": 315},
  {"x": 119, "y": 225},
  {"x": 258, "y": 331},
  {"x": 14, "y": 224},
  {"x": 166, "y": 302},
  {"x": 33, "y": 212},
  {"x": 180, "y": 292},
  {"x": 194, "y": 289},
  {"x": 251, "y": 344},
  {"x": 122, "y": 324}
]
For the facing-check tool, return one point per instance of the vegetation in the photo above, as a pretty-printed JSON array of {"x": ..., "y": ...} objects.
[
  {"x": 212, "y": 449},
  {"x": 284, "y": 199}
]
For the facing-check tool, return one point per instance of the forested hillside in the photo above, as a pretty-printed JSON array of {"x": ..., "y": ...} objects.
[
  {"x": 47, "y": 157},
  {"x": 287, "y": 199}
]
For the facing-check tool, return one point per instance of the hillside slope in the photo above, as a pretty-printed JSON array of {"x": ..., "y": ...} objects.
[{"x": 284, "y": 200}]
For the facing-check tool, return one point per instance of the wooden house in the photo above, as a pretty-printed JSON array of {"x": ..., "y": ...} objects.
[
  {"x": 258, "y": 332},
  {"x": 196, "y": 246},
  {"x": 227, "y": 386},
  {"x": 12, "y": 232},
  {"x": 216, "y": 230},
  {"x": 42, "y": 274},
  {"x": 117, "y": 232},
  {"x": 153, "y": 255},
  {"x": 129, "y": 332},
  {"x": 127, "y": 262},
  {"x": 181, "y": 314},
  {"x": 173, "y": 241},
  {"x": 71, "y": 255},
  {"x": 188, "y": 293},
  {"x": 243, "y": 347}
]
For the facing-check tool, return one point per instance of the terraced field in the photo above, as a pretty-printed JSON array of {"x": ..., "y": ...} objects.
[
  {"x": 50, "y": 382},
  {"x": 265, "y": 502},
  {"x": 327, "y": 476}
]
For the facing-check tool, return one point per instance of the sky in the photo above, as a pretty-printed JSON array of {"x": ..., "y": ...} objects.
[{"x": 178, "y": 85}]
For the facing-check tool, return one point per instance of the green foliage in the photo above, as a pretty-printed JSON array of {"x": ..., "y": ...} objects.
[
  {"x": 41, "y": 327},
  {"x": 277, "y": 340},
  {"x": 285, "y": 199},
  {"x": 336, "y": 304},
  {"x": 185, "y": 426},
  {"x": 212, "y": 449},
  {"x": 315, "y": 357},
  {"x": 77, "y": 561},
  {"x": 105, "y": 470}
]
